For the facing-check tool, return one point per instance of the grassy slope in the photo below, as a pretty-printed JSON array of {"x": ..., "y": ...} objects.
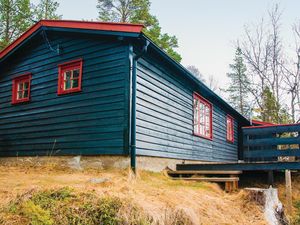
[{"x": 155, "y": 195}]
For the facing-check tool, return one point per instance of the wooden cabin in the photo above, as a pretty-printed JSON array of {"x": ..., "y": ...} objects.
[{"x": 93, "y": 89}]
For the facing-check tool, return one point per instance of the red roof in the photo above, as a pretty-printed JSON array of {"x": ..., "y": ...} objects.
[
  {"x": 105, "y": 26},
  {"x": 262, "y": 123}
]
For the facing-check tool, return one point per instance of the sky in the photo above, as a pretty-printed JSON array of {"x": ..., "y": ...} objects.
[{"x": 206, "y": 29}]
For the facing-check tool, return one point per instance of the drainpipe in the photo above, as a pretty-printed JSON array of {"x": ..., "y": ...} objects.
[{"x": 133, "y": 107}]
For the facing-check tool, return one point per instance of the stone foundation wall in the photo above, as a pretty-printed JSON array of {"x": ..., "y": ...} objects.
[{"x": 154, "y": 164}]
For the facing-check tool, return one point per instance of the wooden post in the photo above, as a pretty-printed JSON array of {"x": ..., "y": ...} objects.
[
  {"x": 271, "y": 177},
  {"x": 288, "y": 194}
]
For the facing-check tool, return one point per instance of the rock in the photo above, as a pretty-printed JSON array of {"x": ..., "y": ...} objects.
[
  {"x": 74, "y": 163},
  {"x": 98, "y": 180}
]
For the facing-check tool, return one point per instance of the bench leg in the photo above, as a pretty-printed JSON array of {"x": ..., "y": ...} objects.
[
  {"x": 228, "y": 186},
  {"x": 231, "y": 186},
  {"x": 235, "y": 185}
]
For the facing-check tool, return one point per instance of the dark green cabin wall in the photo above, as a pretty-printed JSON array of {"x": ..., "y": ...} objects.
[
  {"x": 165, "y": 117},
  {"x": 94, "y": 121}
]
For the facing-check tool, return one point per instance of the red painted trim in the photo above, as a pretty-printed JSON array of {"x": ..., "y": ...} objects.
[
  {"x": 19, "y": 40},
  {"x": 228, "y": 117},
  {"x": 16, "y": 80},
  {"x": 71, "y": 65},
  {"x": 210, "y": 105},
  {"x": 276, "y": 125},
  {"x": 105, "y": 26},
  {"x": 262, "y": 123}
]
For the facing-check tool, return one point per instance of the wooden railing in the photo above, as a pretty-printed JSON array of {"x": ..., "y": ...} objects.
[{"x": 271, "y": 143}]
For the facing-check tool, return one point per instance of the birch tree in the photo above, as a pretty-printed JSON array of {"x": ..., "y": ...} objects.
[
  {"x": 263, "y": 53},
  {"x": 196, "y": 72}
]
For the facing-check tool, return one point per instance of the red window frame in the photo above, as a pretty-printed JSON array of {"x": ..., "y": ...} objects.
[
  {"x": 202, "y": 127},
  {"x": 25, "y": 78},
  {"x": 69, "y": 66},
  {"x": 229, "y": 129}
]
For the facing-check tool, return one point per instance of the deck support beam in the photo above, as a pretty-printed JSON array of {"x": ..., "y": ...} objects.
[
  {"x": 288, "y": 193},
  {"x": 271, "y": 177},
  {"x": 249, "y": 166}
]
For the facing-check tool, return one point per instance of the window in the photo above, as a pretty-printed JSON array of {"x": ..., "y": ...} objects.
[
  {"x": 69, "y": 77},
  {"x": 21, "y": 89},
  {"x": 202, "y": 117},
  {"x": 229, "y": 129}
]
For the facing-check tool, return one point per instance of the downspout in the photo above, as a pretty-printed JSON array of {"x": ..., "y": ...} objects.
[{"x": 133, "y": 107}]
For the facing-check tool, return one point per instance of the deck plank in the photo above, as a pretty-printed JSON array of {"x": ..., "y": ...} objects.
[
  {"x": 205, "y": 172},
  {"x": 209, "y": 179},
  {"x": 246, "y": 166}
]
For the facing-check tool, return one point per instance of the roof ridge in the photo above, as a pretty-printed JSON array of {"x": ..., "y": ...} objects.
[{"x": 73, "y": 24}]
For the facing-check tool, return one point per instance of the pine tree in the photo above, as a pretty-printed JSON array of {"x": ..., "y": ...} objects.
[
  {"x": 239, "y": 84},
  {"x": 138, "y": 11},
  {"x": 15, "y": 17},
  {"x": 271, "y": 110},
  {"x": 46, "y": 9},
  {"x": 270, "y": 107}
]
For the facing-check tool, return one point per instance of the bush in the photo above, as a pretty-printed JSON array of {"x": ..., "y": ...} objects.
[
  {"x": 65, "y": 207},
  {"x": 296, "y": 219},
  {"x": 36, "y": 214}
]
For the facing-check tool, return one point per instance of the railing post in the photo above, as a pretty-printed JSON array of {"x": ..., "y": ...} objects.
[{"x": 288, "y": 192}]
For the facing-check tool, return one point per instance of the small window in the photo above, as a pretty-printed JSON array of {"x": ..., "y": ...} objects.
[
  {"x": 69, "y": 77},
  {"x": 229, "y": 129},
  {"x": 21, "y": 89},
  {"x": 202, "y": 117}
]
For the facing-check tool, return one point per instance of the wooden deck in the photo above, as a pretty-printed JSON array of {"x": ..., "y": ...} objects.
[
  {"x": 269, "y": 143},
  {"x": 203, "y": 172},
  {"x": 245, "y": 166},
  {"x": 265, "y": 148}
]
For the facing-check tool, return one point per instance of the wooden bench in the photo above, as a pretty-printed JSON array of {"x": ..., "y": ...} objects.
[
  {"x": 203, "y": 172},
  {"x": 229, "y": 178},
  {"x": 231, "y": 183}
]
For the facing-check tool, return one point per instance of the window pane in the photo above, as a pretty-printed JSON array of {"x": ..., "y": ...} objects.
[
  {"x": 26, "y": 85},
  {"x": 75, "y": 83},
  {"x": 67, "y": 75},
  {"x": 67, "y": 84},
  {"x": 76, "y": 73},
  {"x": 20, "y": 87},
  {"x": 20, "y": 95},
  {"x": 25, "y": 94}
]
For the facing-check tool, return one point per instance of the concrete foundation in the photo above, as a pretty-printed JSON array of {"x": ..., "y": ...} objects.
[{"x": 154, "y": 164}]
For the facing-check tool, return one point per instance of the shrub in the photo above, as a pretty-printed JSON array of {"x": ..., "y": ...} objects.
[
  {"x": 36, "y": 214},
  {"x": 296, "y": 219},
  {"x": 65, "y": 207}
]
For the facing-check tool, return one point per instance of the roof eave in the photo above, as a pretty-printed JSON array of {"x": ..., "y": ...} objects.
[
  {"x": 125, "y": 29},
  {"x": 190, "y": 76}
]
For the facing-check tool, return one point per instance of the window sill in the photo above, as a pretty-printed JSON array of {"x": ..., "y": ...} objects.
[
  {"x": 204, "y": 137},
  {"x": 70, "y": 91},
  {"x": 229, "y": 141},
  {"x": 20, "y": 101}
]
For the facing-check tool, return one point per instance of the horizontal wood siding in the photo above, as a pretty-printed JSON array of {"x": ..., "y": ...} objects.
[
  {"x": 93, "y": 121},
  {"x": 165, "y": 118}
]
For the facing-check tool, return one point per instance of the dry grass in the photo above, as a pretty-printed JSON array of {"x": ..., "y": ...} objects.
[
  {"x": 295, "y": 194},
  {"x": 160, "y": 198}
]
